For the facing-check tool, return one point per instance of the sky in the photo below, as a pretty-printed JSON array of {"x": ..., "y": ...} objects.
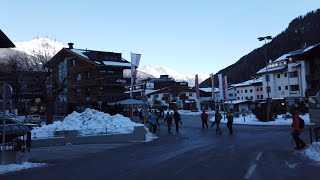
[
  {"x": 184, "y": 35},
  {"x": 90, "y": 122}
]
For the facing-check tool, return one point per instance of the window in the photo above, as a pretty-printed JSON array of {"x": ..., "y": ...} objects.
[
  {"x": 278, "y": 75},
  {"x": 257, "y": 88},
  {"x": 261, "y": 97},
  {"x": 279, "y": 88},
  {"x": 78, "y": 92},
  {"x": 260, "y": 88},
  {"x": 285, "y": 74},
  {"x": 88, "y": 92},
  {"x": 294, "y": 87},
  {"x": 293, "y": 74},
  {"x": 251, "y": 90},
  {"x": 245, "y": 91},
  {"x": 241, "y": 91},
  {"x": 241, "y": 98},
  {"x": 190, "y": 94},
  {"x": 74, "y": 62},
  {"x": 251, "y": 97},
  {"x": 78, "y": 77},
  {"x": 156, "y": 96},
  {"x": 87, "y": 75},
  {"x": 238, "y": 92},
  {"x": 286, "y": 87}
]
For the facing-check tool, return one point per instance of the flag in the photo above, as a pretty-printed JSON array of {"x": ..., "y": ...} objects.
[
  {"x": 135, "y": 60},
  {"x": 212, "y": 86},
  {"x": 220, "y": 86},
  {"x": 197, "y": 87},
  {"x": 225, "y": 87}
]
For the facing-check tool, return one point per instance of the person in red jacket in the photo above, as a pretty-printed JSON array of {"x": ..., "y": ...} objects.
[
  {"x": 296, "y": 131},
  {"x": 204, "y": 119}
]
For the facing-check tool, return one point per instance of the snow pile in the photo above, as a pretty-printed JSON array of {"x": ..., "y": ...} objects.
[
  {"x": 252, "y": 120},
  {"x": 89, "y": 122},
  {"x": 190, "y": 113},
  {"x": 19, "y": 167},
  {"x": 313, "y": 151}
]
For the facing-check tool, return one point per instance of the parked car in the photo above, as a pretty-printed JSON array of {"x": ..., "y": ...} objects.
[
  {"x": 13, "y": 128},
  {"x": 34, "y": 119}
]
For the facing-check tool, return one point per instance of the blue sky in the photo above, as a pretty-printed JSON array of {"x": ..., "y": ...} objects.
[{"x": 185, "y": 35}]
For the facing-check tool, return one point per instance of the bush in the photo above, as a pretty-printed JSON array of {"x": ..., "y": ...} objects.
[{"x": 261, "y": 114}]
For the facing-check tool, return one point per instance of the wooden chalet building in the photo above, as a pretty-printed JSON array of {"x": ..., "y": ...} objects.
[{"x": 93, "y": 77}]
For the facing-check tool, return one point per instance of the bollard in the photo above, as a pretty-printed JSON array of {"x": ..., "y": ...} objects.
[{"x": 28, "y": 141}]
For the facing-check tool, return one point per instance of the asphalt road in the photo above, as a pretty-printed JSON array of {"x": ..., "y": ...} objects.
[{"x": 252, "y": 152}]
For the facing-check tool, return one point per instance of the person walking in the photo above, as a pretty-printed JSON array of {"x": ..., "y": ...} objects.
[
  {"x": 230, "y": 121},
  {"x": 217, "y": 120},
  {"x": 297, "y": 129},
  {"x": 153, "y": 120},
  {"x": 204, "y": 119},
  {"x": 168, "y": 119},
  {"x": 177, "y": 120}
]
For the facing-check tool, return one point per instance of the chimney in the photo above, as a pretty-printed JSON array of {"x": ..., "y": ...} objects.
[{"x": 70, "y": 45}]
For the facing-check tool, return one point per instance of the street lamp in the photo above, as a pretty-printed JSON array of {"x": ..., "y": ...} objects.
[{"x": 267, "y": 76}]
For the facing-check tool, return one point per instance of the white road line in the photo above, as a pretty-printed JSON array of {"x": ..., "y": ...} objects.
[
  {"x": 250, "y": 171},
  {"x": 259, "y": 156}
]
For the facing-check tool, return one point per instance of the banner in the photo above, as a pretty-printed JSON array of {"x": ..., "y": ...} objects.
[
  {"x": 212, "y": 86},
  {"x": 225, "y": 88},
  {"x": 196, "y": 87},
  {"x": 135, "y": 60},
  {"x": 220, "y": 86}
]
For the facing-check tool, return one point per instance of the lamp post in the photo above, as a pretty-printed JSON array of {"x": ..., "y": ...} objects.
[{"x": 267, "y": 76}]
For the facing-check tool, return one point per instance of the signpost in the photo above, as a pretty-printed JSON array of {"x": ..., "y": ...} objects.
[{"x": 99, "y": 102}]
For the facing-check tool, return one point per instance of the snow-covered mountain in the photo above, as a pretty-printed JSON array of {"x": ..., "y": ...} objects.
[{"x": 156, "y": 71}]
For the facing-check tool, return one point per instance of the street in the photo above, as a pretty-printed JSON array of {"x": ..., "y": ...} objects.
[{"x": 252, "y": 152}]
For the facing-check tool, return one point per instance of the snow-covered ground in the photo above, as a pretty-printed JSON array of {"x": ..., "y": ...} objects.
[{"x": 92, "y": 122}]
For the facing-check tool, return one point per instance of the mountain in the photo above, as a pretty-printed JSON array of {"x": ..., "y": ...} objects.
[
  {"x": 301, "y": 31},
  {"x": 156, "y": 71},
  {"x": 25, "y": 52}
]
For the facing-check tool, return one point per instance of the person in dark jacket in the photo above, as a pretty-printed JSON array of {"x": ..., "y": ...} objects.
[
  {"x": 168, "y": 119},
  {"x": 297, "y": 131},
  {"x": 153, "y": 120},
  {"x": 230, "y": 122},
  {"x": 217, "y": 120},
  {"x": 204, "y": 119},
  {"x": 177, "y": 120}
]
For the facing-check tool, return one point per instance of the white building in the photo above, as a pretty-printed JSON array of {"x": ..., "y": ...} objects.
[
  {"x": 285, "y": 77},
  {"x": 250, "y": 90}
]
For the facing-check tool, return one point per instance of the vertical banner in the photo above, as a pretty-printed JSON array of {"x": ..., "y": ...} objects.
[
  {"x": 225, "y": 88},
  {"x": 135, "y": 60},
  {"x": 220, "y": 86},
  {"x": 197, "y": 87},
  {"x": 212, "y": 86}
]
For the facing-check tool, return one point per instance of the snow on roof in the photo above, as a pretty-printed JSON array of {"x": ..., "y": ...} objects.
[
  {"x": 248, "y": 83},
  {"x": 114, "y": 63},
  {"x": 235, "y": 102},
  {"x": 263, "y": 70},
  {"x": 80, "y": 52},
  {"x": 209, "y": 89}
]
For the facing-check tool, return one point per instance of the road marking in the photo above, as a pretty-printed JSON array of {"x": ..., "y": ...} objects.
[
  {"x": 259, "y": 156},
  {"x": 250, "y": 171}
]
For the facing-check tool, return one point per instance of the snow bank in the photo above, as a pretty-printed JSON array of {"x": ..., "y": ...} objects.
[
  {"x": 89, "y": 122},
  {"x": 18, "y": 167},
  {"x": 313, "y": 151}
]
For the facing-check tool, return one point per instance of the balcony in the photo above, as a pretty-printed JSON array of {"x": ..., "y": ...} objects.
[{"x": 115, "y": 81}]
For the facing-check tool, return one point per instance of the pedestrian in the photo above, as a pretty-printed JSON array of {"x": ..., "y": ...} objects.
[
  {"x": 153, "y": 120},
  {"x": 204, "y": 119},
  {"x": 168, "y": 119},
  {"x": 177, "y": 120},
  {"x": 297, "y": 129},
  {"x": 230, "y": 121},
  {"x": 217, "y": 120},
  {"x": 158, "y": 115}
]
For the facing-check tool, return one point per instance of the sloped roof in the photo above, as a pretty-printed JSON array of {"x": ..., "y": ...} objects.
[
  {"x": 249, "y": 82},
  {"x": 99, "y": 58},
  {"x": 172, "y": 89},
  {"x": 5, "y": 42},
  {"x": 308, "y": 52}
]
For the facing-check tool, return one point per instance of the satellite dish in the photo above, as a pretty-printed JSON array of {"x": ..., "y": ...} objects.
[{"x": 318, "y": 96}]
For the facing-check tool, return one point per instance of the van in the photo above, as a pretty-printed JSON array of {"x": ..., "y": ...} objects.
[{"x": 34, "y": 119}]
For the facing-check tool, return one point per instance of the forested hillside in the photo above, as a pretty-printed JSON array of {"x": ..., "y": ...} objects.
[{"x": 302, "y": 31}]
